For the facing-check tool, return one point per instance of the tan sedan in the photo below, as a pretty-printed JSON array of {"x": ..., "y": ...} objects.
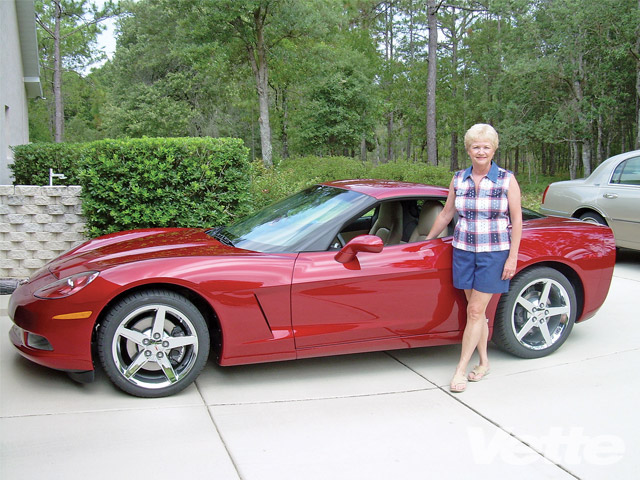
[{"x": 610, "y": 196}]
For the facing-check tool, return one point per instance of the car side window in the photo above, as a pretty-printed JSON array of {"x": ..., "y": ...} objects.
[{"x": 627, "y": 173}]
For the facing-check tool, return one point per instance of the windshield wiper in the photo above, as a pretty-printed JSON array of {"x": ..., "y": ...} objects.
[{"x": 216, "y": 233}]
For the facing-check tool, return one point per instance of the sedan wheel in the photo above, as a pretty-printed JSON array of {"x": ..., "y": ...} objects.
[
  {"x": 153, "y": 344},
  {"x": 537, "y": 314},
  {"x": 593, "y": 217}
]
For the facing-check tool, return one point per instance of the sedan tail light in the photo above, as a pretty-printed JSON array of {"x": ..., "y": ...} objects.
[{"x": 544, "y": 195}]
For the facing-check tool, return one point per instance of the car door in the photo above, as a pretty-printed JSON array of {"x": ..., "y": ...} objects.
[
  {"x": 404, "y": 290},
  {"x": 620, "y": 200}
]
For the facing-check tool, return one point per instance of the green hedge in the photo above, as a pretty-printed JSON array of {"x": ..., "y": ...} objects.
[
  {"x": 148, "y": 182},
  {"x": 292, "y": 175},
  {"x": 163, "y": 182},
  {"x": 33, "y": 161},
  {"x": 187, "y": 182}
]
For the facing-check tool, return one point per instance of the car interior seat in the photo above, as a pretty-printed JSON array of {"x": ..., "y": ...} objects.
[
  {"x": 388, "y": 225},
  {"x": 428, "y": 214}
]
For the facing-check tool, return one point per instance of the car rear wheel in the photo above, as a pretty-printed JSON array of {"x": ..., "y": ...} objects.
[
  {"x": 593, "y": 217},
  {"x": 153, "y": 343},
  {"x": 537, "y": 314}
]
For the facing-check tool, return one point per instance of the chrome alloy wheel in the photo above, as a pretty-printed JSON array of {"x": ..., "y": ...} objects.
[
  {"x": 155, "y": 346},
  {"x": 541, "y": 314}
]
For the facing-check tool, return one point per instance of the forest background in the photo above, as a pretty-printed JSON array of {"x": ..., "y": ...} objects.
[{"x": 378, "y": 81}]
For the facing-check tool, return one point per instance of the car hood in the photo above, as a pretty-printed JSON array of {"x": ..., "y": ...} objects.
[{"x": 138, "y": 245}]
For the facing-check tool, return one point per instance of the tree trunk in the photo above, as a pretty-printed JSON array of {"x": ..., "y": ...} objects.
[
  {"x": 58, "y": 123},
  {"x": 638, "y": 85},
  {"x": 389, "y": 58},
  {"x": 454, "y": 93},
  {"x": 389, "y": 157},
  {"x": 258, "y": 61},
  {"x": 600, "y": 144},
  {"x": 432, "y": 143},
  {"x": 454, "y": 151},
  {"x": 584, "y": 129},
  {"x": 638, "y": 101},
  {"x": 586, "y": 157},
  {"x": 575, "y": 154},
  {"x": 285, "y": 125}
]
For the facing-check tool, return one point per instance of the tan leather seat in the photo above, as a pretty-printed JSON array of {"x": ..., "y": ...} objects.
[
  {"x": 388, "y": 225},
  {"x": 428, "y": 214}
]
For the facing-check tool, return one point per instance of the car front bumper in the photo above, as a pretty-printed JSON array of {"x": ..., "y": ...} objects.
[{"x": 48, "y": 333}]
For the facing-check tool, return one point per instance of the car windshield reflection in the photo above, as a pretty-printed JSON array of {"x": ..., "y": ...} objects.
[{"x": 285, "y": 225}]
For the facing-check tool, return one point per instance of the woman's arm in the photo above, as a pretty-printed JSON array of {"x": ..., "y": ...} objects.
[
  {"x": 445, "y": 216},
  {"x": 515, "y": 213}
]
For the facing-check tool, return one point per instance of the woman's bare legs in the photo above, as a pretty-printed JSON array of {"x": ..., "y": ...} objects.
[{"x": 476, "y": 332}]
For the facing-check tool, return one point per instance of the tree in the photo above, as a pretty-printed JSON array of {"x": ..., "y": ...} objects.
[
  {"x": 432, "y": 138},
  {"x": 558, "y": 79},
  {"x": 340, "y": 104},
  {"x": 259, "y": 25},
  {"x": 68, "y": 34},
  {"x": 636, "y": 54},
  {"x": 454, "y": 22}
]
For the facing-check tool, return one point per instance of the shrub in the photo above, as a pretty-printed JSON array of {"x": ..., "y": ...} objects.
[
  {"x": 292, "y": 175},
  {"x": 163, "y": 182},
  {"x": 32, "y": 162}
]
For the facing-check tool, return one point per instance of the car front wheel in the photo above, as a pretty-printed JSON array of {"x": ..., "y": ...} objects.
[
  {"x": 153, "y": 343},
  {"x": 537, "y": 314}
]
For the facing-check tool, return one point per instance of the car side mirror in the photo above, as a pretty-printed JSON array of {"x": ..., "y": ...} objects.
[{"x": 361, "y": 243}]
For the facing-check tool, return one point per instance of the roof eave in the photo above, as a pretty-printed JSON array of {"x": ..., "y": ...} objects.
[{"x": 25, "y": 13}]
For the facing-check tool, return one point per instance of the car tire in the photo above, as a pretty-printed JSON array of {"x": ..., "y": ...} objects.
[
  {"x": 537, "y": 314},
  {"x": 153, "y": 343},
  {"x": 593, "y": 217}
]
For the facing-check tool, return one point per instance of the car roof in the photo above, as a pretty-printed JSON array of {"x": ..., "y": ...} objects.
[
  {"x": 384, "y": 189},
  {"x": 603, "y": 172}
]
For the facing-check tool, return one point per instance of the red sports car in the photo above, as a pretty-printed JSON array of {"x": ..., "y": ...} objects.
[{"x": 340, "y": 267}]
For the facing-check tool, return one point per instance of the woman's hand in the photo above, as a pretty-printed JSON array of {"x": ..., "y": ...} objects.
[{"x": 509, "y": 268}]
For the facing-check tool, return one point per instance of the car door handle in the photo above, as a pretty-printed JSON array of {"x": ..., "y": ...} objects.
[
  {"x": 610, "y": 195},
  {"x": 426, "y": 252}
]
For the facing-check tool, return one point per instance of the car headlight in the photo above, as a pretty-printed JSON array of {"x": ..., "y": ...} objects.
[{"x": 67, "y": 286}]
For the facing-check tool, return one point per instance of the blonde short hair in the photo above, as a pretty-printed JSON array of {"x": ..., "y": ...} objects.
[{"x": 481, "y": 131}]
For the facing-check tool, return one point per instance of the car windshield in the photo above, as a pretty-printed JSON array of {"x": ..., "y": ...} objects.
[
  {"x": 289, "y": 224},
  {"x": 528, "y": 214}
]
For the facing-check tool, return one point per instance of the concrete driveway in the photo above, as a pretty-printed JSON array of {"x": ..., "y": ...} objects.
[{"x": 371, "y": 416}]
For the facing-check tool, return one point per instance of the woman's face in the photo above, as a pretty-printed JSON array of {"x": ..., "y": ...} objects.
[{"x": 481, "y": 152}]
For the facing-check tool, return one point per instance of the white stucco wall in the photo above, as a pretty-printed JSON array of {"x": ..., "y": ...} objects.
[{"x": 19, "y": 73}]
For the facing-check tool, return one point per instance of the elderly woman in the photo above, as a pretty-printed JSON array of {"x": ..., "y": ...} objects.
[{"x": 485, "y": 242}]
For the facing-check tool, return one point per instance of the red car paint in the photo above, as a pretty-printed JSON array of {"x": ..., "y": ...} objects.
[{"x": 281, "y": 306}]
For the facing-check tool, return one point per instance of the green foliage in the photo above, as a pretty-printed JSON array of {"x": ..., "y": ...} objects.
[
  {"x": 340, "y": 103},
  {"x": 290, "y": 176},
  {"x": 163, "y": 182},
  {"x": 343, "y": 71},
  {"x": 149, "y": 182},
  {"x": 67, "y": 40},
  {"x": 174, "y": 182},
  {"x": 32, "y": 163}
]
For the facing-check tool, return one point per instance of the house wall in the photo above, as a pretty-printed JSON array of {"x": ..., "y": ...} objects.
[{"x": 19, "y": 77}]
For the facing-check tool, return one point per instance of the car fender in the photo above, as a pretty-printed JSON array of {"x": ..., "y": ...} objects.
[
  {"x": 586, "y": 260},
  {"x": 250, "y": 300}
]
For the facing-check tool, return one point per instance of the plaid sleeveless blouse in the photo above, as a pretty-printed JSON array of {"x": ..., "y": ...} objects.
[{"x": 484, "y": 224}]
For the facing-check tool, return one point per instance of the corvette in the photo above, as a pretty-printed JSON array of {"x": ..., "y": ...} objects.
[{"x": 341, "y": 267}]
